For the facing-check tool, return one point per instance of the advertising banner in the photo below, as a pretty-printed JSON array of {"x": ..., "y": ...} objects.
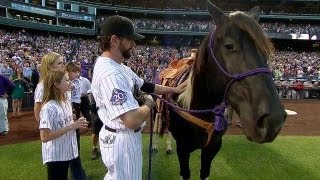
[{"x": 32, "y": 9}]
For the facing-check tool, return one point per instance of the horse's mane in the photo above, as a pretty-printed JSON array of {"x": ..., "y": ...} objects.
[
  {"x": 184, "y": 99},
  {"x": 246, "y": 23}
]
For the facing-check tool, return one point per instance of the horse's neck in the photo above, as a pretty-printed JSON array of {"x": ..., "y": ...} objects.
[{"x": 202, "y": 93}]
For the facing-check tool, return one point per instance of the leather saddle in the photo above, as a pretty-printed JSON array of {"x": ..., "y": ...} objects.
[{"x": 171, "y": 75}]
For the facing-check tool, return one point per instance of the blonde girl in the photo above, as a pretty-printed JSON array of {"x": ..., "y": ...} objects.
[
  {"x": 57, "y": 128},
  {"x": 49, "y": 61},
  {"x": 54, "y": 61}
]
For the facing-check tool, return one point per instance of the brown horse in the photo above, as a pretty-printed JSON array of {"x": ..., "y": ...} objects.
[{"x": 230, "y": 68}]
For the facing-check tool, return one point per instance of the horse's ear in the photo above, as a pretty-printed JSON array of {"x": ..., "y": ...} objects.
[
  {"x": 254, "y": 12},
  {"x": 218, "y": 16}
]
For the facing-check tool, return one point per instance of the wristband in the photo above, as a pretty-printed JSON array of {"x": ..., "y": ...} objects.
[{"x": 148, "y": 87}]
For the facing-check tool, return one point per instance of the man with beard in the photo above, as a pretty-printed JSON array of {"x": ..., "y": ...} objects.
[{"x": 123, "y": 114}]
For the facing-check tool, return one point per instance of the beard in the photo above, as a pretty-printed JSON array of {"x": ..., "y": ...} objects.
[{"x": 125, "y": 52}]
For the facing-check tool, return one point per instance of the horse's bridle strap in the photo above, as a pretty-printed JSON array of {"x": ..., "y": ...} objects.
[{"x": 209, "y": 127}]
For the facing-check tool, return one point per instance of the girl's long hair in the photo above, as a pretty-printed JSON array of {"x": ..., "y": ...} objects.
[
  {"x": 51, "y": 92},
  {"x": 46, "y": 63}
]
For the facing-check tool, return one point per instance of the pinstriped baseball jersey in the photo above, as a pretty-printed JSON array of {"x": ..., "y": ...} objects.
[
  {"x": 76, "y": 91},
  {"x": 113, "y": 83},
  {"x": 112, "y": 87},
  {"x": 55, "y": 116},
  {"x": 38, "y": 93}
]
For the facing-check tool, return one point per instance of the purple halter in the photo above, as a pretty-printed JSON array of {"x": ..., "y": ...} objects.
[{"x": 220, "y": 121}]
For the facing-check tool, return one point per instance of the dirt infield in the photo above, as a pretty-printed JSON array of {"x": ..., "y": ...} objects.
[{"x": 306, "y": 122}]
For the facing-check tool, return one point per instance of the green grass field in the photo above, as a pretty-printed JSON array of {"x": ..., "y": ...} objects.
[{"x": 287, "y": 158}]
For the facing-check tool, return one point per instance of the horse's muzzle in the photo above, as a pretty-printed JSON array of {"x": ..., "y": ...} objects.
[{"x": 268, "y": 127}]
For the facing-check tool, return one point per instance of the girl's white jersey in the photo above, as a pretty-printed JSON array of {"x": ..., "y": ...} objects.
[
  {"x": 55, "y": 116},
  {"x": 38, "y": 93}
]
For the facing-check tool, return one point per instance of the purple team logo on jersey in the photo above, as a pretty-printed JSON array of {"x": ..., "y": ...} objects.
[{"x": 118, "y": 97}]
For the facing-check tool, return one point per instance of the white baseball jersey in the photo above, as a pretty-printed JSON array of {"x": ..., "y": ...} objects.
[
  {"x": 55, "y": 116},
  {"x": 38, "y": 93},
  {"x": 85, "y": 85},
  {"x": 112, "y": 87},
  {"x": 76, "y": 91}
]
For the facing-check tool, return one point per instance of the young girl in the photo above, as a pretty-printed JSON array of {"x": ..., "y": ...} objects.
[
  {"x": 57, "y": 128},
  {"x": 51, "y": 61}
]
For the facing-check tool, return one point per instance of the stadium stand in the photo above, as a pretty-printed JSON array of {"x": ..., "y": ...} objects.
[{"x": 172, "y": 28}]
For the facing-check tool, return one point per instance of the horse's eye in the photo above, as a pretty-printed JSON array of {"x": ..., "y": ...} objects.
[{"x": 228, "y": 47}]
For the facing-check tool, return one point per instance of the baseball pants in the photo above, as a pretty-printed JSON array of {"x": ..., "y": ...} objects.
[
  {"x": 4, "y": 124},
  {"x": 122, "y": 154}
]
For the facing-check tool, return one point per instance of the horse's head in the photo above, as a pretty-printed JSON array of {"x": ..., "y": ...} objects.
[{"x": 239, "y": 45}]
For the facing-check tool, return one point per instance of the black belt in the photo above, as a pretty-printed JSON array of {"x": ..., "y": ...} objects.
[{"x": 114, "y": 131}]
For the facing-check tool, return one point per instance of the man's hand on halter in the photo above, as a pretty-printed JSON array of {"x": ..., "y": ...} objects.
[{"x": 143, "y": 98}]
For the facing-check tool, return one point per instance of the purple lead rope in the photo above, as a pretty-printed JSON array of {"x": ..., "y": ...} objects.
[{"x": 220, "y": 122}]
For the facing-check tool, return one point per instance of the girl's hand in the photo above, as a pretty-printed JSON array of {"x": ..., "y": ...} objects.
[{"x": 81, "y": 123}]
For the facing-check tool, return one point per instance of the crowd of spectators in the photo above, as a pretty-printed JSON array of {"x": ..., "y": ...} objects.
[
  {"x": 25, "y": 50},
  {"x": 76, "y": 24},
  {"x": 296, "y": 74},
  {"x": 206, "y": 25},
  {"x": 167, "y": 24},
  {"x": 279, "y": 27},
  {"x": 290, "y": 65},
  {"x": 273, "y": 7},
  {"x": 173, "y": 25}
]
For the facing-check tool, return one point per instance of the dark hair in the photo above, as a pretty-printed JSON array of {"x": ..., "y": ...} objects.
[
  {"x": 72, "y": 67},
  {"x": 104, "y": 43}
]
